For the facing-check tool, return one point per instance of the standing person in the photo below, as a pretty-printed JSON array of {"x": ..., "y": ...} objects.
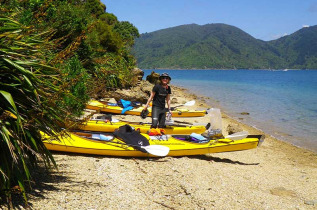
[{"x": 160, "y": 93}]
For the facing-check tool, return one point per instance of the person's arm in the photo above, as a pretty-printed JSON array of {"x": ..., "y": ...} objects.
[
  {"x": 168, "y": 102},
  {"x": 168, "y": 99},
  {"x": 149, "y": 100}
]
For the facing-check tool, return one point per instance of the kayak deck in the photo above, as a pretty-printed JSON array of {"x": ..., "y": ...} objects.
[
  {"x": 104, "y": 107},
  {"x": 108, "y": 126}
]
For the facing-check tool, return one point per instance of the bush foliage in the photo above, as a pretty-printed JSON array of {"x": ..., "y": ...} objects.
[{"x": 54, "y": 56}]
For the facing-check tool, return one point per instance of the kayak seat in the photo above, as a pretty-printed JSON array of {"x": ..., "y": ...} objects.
[
  {"x": 190, "y": 138},
  {"x": 105, "y": 117}
]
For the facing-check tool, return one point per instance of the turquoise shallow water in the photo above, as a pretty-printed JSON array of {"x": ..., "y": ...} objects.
[{"x": 281, "y": 103}]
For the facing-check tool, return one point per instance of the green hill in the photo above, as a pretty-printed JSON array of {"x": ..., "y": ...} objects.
[
  {"x": 299, "y": 50},
  {"x": 221, "y": 46}
]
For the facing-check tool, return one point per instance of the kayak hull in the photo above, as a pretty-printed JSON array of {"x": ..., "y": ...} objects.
[
  {"x": 102, "y": 126},
  {"x": 102, "y": 107},
  {"x": 76, "y": 144}
]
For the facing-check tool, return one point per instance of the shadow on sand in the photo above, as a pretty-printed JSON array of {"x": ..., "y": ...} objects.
[
  {"x": 221, "y": 160},
  {"x": 46, "y": 180}
]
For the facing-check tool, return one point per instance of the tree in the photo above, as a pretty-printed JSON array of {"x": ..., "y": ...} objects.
[{"x": 27, "y": 104}]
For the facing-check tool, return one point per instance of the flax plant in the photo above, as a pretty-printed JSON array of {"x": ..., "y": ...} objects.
[{"x": 28, "y": 93}]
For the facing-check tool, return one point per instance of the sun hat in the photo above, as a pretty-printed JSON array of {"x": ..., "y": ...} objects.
[{"x": 165, "y": 75}]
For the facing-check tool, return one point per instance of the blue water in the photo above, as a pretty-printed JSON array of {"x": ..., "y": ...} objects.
[{"x": 281, "y": 103}]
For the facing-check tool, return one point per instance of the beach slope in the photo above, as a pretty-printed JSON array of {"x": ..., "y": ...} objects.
[{"x": 275, "y": 175}]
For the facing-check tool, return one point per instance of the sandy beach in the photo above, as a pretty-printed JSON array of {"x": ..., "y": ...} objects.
[{"x": 275, "y": 175}]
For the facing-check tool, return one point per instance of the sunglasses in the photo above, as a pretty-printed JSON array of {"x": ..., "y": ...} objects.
[{"x": 165, "y": 77}]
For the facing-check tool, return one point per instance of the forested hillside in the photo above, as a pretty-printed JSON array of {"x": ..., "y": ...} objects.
[
  {"x": 221, "y": 46},
  {"x": 299, "y": 50}
]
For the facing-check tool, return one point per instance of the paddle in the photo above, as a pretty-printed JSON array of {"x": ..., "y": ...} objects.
[
  {"x": 183, "y": 122},
  {"x": 157, "y": 150},
  {"x": 238, "y": 135},
  {"x": 189, "y": 103},
  {"x": 145, "y": 123}
]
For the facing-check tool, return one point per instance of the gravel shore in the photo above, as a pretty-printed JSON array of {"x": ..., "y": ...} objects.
[{"x": 275, "y": 175}]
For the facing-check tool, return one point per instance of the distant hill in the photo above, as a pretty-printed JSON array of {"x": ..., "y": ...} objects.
[
  {"x": 299, "y": 50},
  {"x": 221, "y": 46}
]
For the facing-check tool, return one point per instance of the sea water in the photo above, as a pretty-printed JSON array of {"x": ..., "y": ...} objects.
[{"x": 282, "y": 103}]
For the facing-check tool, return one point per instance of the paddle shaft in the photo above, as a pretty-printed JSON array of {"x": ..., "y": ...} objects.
[
  {"x": 142, "y": 123},
  {"x": 189, "y": 103},
  {"x": 156, "y": 150}
]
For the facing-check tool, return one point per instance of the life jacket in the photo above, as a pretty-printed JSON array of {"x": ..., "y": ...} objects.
[
  {"x": 156, "y": 132},
  {"x": 131, "y": 137}
]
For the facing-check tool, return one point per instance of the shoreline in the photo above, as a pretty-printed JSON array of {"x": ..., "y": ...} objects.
[
  {"x": 176, "y": 69},
  {"x": 275, "y": 175},
  {"x": 227, "y": 118},
  {"x": 214, "y": 103}
]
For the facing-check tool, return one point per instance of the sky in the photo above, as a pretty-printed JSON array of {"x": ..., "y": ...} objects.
[{"x": 262, "y": 19}]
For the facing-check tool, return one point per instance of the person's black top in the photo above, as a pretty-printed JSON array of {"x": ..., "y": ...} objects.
[{"x": 160, "y": 95}]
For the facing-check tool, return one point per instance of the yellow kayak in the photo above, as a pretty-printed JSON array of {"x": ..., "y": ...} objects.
[
  {"x": 107, "y": 126},
  {"x": 110, "y": 108},
  {"x": 177, "y": 146}
]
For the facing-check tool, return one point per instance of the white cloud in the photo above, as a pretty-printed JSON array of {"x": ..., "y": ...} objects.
[{"x": 305, "y": 26}]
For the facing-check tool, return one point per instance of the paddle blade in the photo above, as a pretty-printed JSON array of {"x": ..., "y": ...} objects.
[
  {"x": 190, "y": 103},
  {"x": 238, "y": 136},
  {"x": 169, "y": 122},
  {"x": 157, "y": 150}
]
